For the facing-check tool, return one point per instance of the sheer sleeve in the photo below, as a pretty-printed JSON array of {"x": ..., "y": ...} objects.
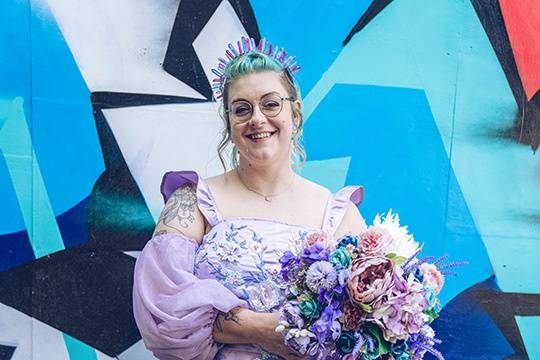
[{"x": 174, "y": 310}]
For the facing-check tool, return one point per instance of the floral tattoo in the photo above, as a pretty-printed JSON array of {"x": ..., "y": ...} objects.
[{"x": 180, "y": 210}]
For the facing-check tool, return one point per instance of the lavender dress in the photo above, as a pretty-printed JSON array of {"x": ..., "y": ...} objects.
[{"x": 180, "y": 287}]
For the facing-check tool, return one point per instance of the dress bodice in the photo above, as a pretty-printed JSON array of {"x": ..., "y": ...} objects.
[{"x": 243, "y": 253}]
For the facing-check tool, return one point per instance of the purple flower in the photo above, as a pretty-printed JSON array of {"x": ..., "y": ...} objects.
[
  {"x": 290, "y": 265},
  {"x": 403, "y": 315},
  {"x": 291, "y": 316},
  {"x": 316, "y": 252},
  {"x": 327, "y": 327},
  {"x": 321, "y": 274}
]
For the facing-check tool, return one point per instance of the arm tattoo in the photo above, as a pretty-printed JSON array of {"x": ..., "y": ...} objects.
[
  {"x": 181, "y": 207},
  {"x": 228, "y": 316}
]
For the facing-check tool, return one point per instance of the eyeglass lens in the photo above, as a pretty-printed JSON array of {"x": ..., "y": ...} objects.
[{"x": 270, "y": 105}]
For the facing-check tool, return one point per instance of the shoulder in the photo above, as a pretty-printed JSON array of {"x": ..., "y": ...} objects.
[
  {"x": 220, "y": 181},
  {"x": 181, "y": 214},
  {"x": 311, "y": 188},
  {"x": 352, "y": 223}
]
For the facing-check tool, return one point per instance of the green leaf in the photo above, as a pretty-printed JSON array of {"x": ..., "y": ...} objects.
[
  {"x": 384, "y": 346},
  {"x": 366, "y": 308},
  {"x": 399, "y": 260},
  {"x": 432, "y": 313},
  {"x": 391, "y": 255}
]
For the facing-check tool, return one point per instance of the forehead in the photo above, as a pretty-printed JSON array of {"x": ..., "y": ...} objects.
[{"x": 253, "y": 86}]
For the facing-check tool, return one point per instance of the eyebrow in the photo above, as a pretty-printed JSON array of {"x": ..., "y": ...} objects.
[{"x": 242, "y": 99}]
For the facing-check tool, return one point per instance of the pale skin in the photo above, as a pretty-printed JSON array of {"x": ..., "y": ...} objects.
[{"x": 264, "y": 167}]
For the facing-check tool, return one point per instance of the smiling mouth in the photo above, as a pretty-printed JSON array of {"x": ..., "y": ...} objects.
[{"x": 261, "y": 135}]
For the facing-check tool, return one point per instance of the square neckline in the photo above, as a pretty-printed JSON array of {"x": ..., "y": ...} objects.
[
  {"x": 252, "y": 218},
  {"x": 336, "y": 207}
]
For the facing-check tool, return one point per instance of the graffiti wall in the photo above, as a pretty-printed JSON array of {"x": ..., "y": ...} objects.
[{"x": 433, "y": 106}]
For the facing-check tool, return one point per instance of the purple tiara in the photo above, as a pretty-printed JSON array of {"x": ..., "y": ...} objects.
[{"x": 243, "y": 46}]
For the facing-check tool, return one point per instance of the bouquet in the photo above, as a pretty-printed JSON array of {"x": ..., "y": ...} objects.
[{"x": 363, "y": 297}]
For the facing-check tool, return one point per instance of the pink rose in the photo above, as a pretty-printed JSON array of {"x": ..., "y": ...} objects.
[
  {"x": 371, "y": 279},
  {"x": 315, "y": 238},
  {"x": 432, "y": 277},
  {"x": 374, "y": 241}
]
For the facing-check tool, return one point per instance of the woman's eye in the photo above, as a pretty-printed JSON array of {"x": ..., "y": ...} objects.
[
  {"x": 270, "y": 104},
  {"x": 242, "y": 110}
]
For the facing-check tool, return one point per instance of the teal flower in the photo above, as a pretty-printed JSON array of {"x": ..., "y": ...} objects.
[
  {"x": 399, "y": 350},
  {"x": 430, "y": 296},
  {"x": 342, "y": 257},
  {"x": 346, "y": 342},
  {"x": 310, "y": 308}
]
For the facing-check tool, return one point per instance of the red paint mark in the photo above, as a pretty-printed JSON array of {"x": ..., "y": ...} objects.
[{"x": 522, "y": 20}]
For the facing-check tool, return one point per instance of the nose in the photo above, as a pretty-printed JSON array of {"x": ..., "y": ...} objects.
[{"x": 257, "y": 117}]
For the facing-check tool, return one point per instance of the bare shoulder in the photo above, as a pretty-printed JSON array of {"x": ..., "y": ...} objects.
[
  {"x": 218, "y": 182},
  {"x": 181, "y": 215},
  {"x": 311, "y": 188},
  {"x": 353, "y": 222}
]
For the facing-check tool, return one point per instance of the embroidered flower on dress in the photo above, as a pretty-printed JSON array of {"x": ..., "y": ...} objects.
[
  {"x": 273, "y": 270},
  {"x": 255, "y": 247},
  {"x": 229, "y": 251},
  {"x": 234, "y": 278}
]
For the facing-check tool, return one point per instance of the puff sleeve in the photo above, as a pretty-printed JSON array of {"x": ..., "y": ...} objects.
[{"x": 174, "y": 310}]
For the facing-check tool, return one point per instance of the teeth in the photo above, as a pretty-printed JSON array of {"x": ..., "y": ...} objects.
[{"x": 261, "y": 135}]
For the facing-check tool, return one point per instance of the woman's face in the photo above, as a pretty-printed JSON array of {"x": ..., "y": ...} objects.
[{"x": 261, "y": 139}]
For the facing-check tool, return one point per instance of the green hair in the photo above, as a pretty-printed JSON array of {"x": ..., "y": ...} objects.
[{"x": 254, "y": 62}]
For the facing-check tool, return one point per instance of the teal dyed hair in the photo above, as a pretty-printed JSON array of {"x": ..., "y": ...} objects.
[{"x": 253, "y": 62}]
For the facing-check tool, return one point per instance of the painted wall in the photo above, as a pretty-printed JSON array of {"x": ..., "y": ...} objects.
[{"x": 433, "y": 106}]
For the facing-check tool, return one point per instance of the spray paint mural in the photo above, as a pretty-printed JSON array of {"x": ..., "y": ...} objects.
[{"x": 433, "y": 106}]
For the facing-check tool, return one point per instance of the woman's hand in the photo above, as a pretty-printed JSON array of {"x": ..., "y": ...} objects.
[
  {"x": 272, "y": 341},
  {"x": 243, "y": 326}
]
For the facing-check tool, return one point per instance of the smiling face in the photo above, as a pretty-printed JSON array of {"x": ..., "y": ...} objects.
[{"x": 261, "y": 139}]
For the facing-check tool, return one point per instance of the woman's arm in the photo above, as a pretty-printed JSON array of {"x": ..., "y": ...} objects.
[
  {"x": 352, "y": 223},
  {"x": 181, "y": 215},
  {"x": 243, "y": 326}
]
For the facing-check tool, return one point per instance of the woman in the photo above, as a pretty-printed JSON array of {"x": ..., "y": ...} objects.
[{"x": 207, "y": 285}]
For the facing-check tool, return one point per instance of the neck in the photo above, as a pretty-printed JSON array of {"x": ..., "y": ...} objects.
[{"x": 268, "y": 179}]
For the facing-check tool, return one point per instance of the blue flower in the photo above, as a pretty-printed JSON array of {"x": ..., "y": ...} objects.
[{"x": 348, "y": 239}]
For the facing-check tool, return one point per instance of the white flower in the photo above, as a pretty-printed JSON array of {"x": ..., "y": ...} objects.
[
  {"x": 229, "y": 252},
  {"x": 403, "y": 243}
]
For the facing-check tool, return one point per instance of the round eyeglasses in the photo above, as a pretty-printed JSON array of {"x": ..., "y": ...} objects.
[{"x": 270, "y": 105}]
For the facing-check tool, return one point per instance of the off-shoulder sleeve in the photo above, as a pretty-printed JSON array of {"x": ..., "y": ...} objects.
[
  {"x": 337, "y": 206},
  {"x": 174, "y": 310}
]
